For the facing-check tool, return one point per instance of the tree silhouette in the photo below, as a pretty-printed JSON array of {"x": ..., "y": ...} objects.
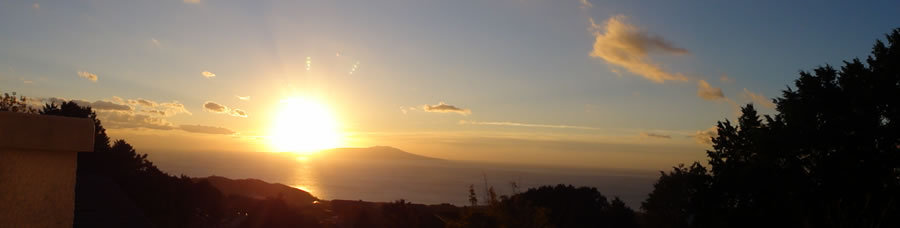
[
  {"x": 829, "y": 157},
  {"x": 11, "y": 103},
  {"x": 679, "y": 197}
]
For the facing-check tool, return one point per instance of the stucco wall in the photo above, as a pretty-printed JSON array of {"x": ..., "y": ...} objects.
[{"x": 38, "y": 157}]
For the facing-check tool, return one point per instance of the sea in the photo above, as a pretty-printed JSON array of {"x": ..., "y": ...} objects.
[{"x": 417, "y": 181}]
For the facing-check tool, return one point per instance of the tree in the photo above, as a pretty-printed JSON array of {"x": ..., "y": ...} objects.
[
  {"x": 830, "y": 156},
  {"x": 678, "y": 197},
  {"x": 11, "y": 103}
]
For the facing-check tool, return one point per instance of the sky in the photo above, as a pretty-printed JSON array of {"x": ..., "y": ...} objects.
[{"x": 582, "y": 83}]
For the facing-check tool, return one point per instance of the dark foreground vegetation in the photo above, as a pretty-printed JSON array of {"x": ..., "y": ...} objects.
[{"x": 829, "y": 157}]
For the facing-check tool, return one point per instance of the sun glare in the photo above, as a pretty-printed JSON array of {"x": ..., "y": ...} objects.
[{"x": 303, "y": 126}]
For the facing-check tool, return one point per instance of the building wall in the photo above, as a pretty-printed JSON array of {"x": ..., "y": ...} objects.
[
  {"x": 38, "y": 158},
  {"x": 37, "y": 188}
]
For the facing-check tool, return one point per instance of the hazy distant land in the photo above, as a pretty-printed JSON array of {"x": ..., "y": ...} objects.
[{"x": 385, "y": 174}]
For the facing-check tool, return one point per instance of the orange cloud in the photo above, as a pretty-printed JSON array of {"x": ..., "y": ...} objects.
[
  {"x": 759, "y": 99},
  {"x": 446, "y": 108},
  {"x": 222, "y": 109},
  {"x": 705, "y": 91},
  {"x": 626, "y": 46},
  {"x": 88, "y": 76}
]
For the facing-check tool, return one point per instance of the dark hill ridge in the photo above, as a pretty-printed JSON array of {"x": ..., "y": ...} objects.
[
  {"x": 257, "y": 189},
  {"x": 372, "y": 153}
]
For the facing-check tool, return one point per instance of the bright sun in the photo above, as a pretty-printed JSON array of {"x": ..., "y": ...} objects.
[{"x": 303, "y": 126}]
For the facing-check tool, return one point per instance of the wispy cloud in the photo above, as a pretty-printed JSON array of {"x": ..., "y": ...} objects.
[
  {"x": 405, "y": 110},
  {"x": 655, "y": 135},
  {"x": 193, "y": 1},
  {"x": 515, "y": 124},
  {"x": 707, "y": 92},
  {"x": 36, "y": 6},
  {"x": 243, "y": 98},
  {"x": 207, "y": 74},
  {"x": 96, "y": 105},
  {"x": 222, "y": 109},
  {"x": 624, "y": 45},
  {"x": 155, "y": 42},
  {"x": 117, "y": 120},
  {"x": 585, "y": 4},
  {"x": 725, "y": 79},
  {"x": 238, "y": 113},
  {"x": 106, "y": 105},
  {"x": 142, "y": 101},
  {"x": 446, "y": 108},
  {"x": 205, "y": 129},
  {"x": 758, "y": 99},
  {"x": 87, "y": 75},
  {"x": 354, "y": 67},
  {"x": 705, "y": 136}
]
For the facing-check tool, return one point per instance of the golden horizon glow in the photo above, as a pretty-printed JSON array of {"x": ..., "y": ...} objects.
[{"x": 303, "y": 126}]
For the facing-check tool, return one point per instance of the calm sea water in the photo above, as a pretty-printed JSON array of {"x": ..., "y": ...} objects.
[{"x": 428, "y": 182}]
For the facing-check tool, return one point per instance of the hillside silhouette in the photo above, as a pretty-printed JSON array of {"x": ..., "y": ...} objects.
[{"x": 257, "y": 189}]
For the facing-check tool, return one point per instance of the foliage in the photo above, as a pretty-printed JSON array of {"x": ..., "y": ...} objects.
[
  {"x": 830, "y": 156},
  {"x": 550, "y": 206},
  {"x": 11, "y": 103}
]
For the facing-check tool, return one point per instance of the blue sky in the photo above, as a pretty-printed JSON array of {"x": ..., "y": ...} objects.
[{"x": 522, "y": 68}]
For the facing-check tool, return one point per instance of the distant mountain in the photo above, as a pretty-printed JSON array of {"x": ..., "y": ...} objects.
[
  {"x": 372, "y": 153},
  {"x": 257, "y": 189}
]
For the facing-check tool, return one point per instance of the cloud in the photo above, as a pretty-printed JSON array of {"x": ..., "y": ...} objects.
[
  {"x": 193, "y": 1},
  {"x": 446, "y": 108},
  {"x": 116, "y": 120},
  {"x": 585, "y": 4},
  {"x": 514, "y": 124},
  {"x": 96, "y": 105},
  {"x": 36, "y": 6},
  {"x": 172, "y": 108},
  {"x": 106, "y": 105},
  {"x": 243, "y": 98},
  {"x": 354, "y": 67},
  {"x": 759, "y": 99},
  {"x": 214, "y": 107},
  {"x": 238, "y": 113},
  {"x": 155, "y": 112},
  {"x": 726, "y": 79},
  {"x": 142, "y": 101},
  {"x": 207, "y": 74},
  {"x": 405, "y": 110},
  {"x": 155, "y": 42},
  {"x": 222, "y": 109},
  {"x": 87, "y": 75},
  {"x": 206, "y": 129},
  {"x": 655, "y": 135},
  {"x": 705, "y": 91},
  {"x": 157, "y": 108},
  {"x": 705, "y": 136},
  {"x": 626, "y": 46}
]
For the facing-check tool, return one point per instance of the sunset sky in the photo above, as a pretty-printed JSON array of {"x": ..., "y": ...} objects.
[{"x": 608, "y": 84}]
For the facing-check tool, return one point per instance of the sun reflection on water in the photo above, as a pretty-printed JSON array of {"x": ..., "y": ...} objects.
[{"x": 305, "y": 178}]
